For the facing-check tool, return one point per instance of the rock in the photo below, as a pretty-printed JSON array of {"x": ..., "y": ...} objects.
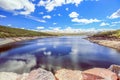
[
  {"x": 23, "y": 76},
  {"x": 115, "y": 69},
  {"x": 103, "y": 73},
  {"x": 8, "y": 76},
  {"x": 64, "y": 74},
  {"x": 87, "y": 76},
  {"x": 40, "y": 74}
]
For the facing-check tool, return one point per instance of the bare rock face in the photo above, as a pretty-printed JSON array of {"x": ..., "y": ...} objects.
[
  {"x": 103, "y": 73},
  {"x": 65, "y": 74},
  {"x": 115, "y": 69},
  {"x": 40, "y": 74},
  {"x": 8, "y": 76}
]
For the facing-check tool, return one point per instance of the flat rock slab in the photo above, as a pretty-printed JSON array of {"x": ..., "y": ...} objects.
[
  {"x": 103, "y": 73},
  {"x": 65, "y": 74}
]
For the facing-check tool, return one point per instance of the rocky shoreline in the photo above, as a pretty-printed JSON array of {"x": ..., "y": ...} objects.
[
  {"x": 4, "y": 41},
  {"x": 112, "y": 73},
  {"x": 108, "y": 42}
]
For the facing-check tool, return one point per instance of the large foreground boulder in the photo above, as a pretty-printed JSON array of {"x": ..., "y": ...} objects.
[
  {"x": 115, "y": 69},
  {"x": 64, "y": 74},
  {"x": 8, "y": 76},
  {"x": 40, "y": 74},
  {"x": 103, "y": 73}
]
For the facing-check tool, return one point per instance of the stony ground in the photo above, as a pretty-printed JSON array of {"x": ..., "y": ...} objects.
[
  {"x": 112, "y": 73},
  {"x": 112, "y": 43}
]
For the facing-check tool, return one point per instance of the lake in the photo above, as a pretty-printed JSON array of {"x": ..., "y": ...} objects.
[{"x": 70, "y": 52}]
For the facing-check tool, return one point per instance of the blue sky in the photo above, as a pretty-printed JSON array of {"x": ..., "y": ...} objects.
[{"x": 60, "y": 14}]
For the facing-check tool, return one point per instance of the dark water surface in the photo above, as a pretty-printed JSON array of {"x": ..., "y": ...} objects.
[{"x": 71, "y": 52}]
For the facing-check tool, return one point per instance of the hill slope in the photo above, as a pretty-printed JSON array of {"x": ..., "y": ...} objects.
[
  {"x": 108, "y": 34},
  {"x": 110, "y": 39},
  {"x": 15, "y": 32}
]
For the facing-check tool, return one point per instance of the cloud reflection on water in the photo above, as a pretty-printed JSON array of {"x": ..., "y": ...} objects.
[
  {"x": 59, "y": 52},
  {"x": 19, "y": 63}
]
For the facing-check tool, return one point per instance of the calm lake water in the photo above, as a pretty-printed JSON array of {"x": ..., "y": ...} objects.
[{"x": 71, "y": 52}]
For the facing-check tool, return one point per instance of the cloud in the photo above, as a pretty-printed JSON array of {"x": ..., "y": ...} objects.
[
  {"x": 46, "y": 17},
  {"x": 59, "y": 14},
  {"x": 51, "y": 4},
  {"x": 117, "y": 22},
  {"x": 104, "y": 24},
  {"x": 35, "y": 19},
  {"x": 67, "y": 9},
  {"x": 3, "y": 16},
  {"x": 9, "y": 25},
  {"x": 54, "y": 23},
  {"x": 115, "y": 15},
  {"x": 23, "y": 7},
  {"x": 73, "y": 30},
  {"x": 73, "y": 15},
  {"x": 40, "y": 27},
  {"x": 56, "y": 29},
  {"x": 41, "y": 12},
  {"x": 85, "y": 21}
]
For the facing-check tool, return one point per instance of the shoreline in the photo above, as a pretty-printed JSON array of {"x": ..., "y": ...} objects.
[
  {"x": 111, "y": 43},
  {"x": 5, "y": 41}
]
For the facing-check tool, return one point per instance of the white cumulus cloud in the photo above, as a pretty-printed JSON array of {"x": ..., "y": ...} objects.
[
  {"x": 46, "y": 17},
  {"x": 23, "y": 7},
  {"x": 104, "y": 24},
  {"x": 115, "y": 15},
  {"x": 2, "y": 16},
  {"x": 51, "y": 4},
  {"x": 73, "y": 15},
  {"x": 85, "y": 21}
]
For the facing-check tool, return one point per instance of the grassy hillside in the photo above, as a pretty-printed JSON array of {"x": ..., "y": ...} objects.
[
  {"x": 109, "y": 34},
  {"x": 15, "y": 32}
]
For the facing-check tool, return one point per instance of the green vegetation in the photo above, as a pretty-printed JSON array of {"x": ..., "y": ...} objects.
[
  {"x": 109, "y": 34},
  {"x": 15, "y": 32}
]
